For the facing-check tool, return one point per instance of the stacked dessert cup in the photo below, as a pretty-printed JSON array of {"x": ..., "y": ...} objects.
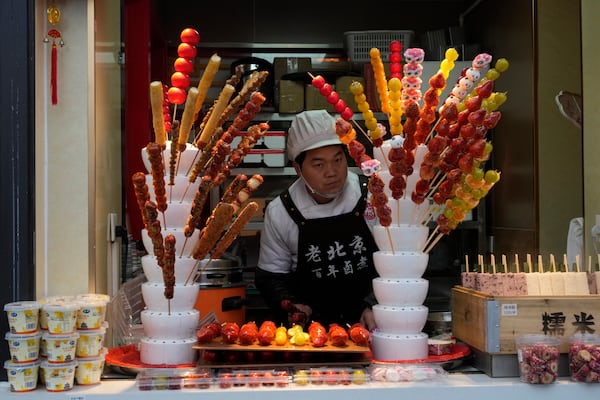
[
  {"x": 400, "y": 262},
  {"x": 170, "y": 324}
]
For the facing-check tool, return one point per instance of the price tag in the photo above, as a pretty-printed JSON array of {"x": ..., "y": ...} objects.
[{"x": 510, "y": 310}]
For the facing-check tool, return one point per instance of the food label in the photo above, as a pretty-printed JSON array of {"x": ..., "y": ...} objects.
[{"x": 510, "y": 310}]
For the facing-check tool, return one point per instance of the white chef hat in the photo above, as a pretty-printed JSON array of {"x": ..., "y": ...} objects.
[{"x": 310, "y": 130}]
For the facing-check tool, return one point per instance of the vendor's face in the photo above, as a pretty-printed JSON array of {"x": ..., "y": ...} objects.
[{"x": 325, "y": 169}]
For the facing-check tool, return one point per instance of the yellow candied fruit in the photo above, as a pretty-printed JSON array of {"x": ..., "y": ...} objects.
[{"x": 374, "y": 52}]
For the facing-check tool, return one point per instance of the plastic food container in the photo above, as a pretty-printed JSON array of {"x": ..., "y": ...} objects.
[
  {"x": 60, "y": 348},
  {"x": 23, "y": 347},
  {"x": 58, "y": 377},
  {"x": 253, "y": 378},
  {"x": 538, "y": 358},
  {"x": 406, "y": 372},
  {"x": 330, "y": 376},
  {"x": 61, "y": 318},
  {"x": 174, "y": 378},
  {"x": 89, "y": 370},
  {"x": 584, "y": 358},
  {"x": 22, "y": 377},
  {"x": 51, "y": 300},
  {"x": 90, "y": 342},
  {"x": 23, "y": 317},
  {"x": 91, "y": 314}
]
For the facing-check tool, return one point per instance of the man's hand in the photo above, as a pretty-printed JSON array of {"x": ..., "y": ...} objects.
[{"x": 368, "y": 320}]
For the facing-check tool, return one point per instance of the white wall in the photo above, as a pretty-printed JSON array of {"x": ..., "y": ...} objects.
[{"x": 63, "y": 148}]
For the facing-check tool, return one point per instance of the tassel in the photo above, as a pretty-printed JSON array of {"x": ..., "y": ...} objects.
[{"x": 53, "y": 74}]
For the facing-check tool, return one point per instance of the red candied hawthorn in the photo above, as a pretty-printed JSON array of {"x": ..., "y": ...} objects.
[{"x": 190, "y": 36}]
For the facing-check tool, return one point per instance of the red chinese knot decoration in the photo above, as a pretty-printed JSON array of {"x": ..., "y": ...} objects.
[{"x": 53, "y": 14}]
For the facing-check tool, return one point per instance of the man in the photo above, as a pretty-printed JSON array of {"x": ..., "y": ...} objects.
[{"x": 316, "y": 249}]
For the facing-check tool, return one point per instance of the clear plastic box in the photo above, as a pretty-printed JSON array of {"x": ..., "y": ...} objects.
[
  {"x": 174, "y": 378},
  {"x": 252, "y": 378},
  {"x": 331, "y": 376}
]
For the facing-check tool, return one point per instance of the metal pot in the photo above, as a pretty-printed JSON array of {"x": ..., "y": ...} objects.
[
  {"x": 438, "y": 323},
  {"x": 248, "y": 65},
  {"x": 219, "y": 273}
]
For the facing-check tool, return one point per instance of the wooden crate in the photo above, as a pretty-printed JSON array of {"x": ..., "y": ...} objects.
[{"x": 491, "y": 324}]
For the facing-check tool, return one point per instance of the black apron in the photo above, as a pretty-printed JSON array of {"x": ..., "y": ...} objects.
[{"x": 335, "y": 262}]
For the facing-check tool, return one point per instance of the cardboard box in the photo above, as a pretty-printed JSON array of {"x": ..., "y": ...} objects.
[
  {"x": 288, "y": 65},
  {"x": 290, "y": 96},
  {"x": 342, "y": 85},
  {"x": 491, "y": 324},
  {"x": 314, "y": 100}
]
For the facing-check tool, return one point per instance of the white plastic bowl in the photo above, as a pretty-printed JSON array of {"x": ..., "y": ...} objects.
[
  {"x": 400, "y": 292},
  {"x": 183, "y": 299},
  {"x": 407, "y": 319},
  {"x": 183, "y": 267},
  {"x": 181, "y": 191},
  {"x": 180, "y": 241},
  {"x": 400, "y": 264},
  {"x": 168, "y": 351},
  {"x": 401, "y": 238},
  {"x": 186, "y": 158},
  {"x": 399, "y": 347},
  {"x": 404, "y": 210},
  {"x": 176, "y": 325}
]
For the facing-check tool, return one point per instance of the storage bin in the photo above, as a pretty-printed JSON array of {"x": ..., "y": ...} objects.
[{"x": 359, "y": 43}]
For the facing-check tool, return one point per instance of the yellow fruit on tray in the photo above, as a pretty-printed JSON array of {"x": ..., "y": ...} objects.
[
  {"x": 281, "y": 336},
  {"x": 300, "y": 339}
]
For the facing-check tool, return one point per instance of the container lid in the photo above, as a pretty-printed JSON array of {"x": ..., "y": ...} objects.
[
  {"x": 12, "y": 336},
  {"x": 56, "y": 299},
  {"x": 20, "y": 365},
  {"x": 72, "y": 306},
  {"x": 48, "y": 365},
  {"x": 101, "y": 356},
  {"x": 22, "y": 305},
  {"x": 59, "y": 336},
  {"x": 93, "y": 297},
  {"x": 91, "y": 332}
]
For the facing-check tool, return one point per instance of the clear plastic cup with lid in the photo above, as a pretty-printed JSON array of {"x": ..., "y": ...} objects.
[
  {"x": 23, "y": 316},
  {"x": 61, "y": 317},
  {"x": 22, "y": 377},
  {"x": 89, "y": 370},
  {"x": 23, "y": 347},
  {"x": 60, "y": 348},
  {"x": 58, "y": 377},
  {"x": 90, "y": 342}
]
